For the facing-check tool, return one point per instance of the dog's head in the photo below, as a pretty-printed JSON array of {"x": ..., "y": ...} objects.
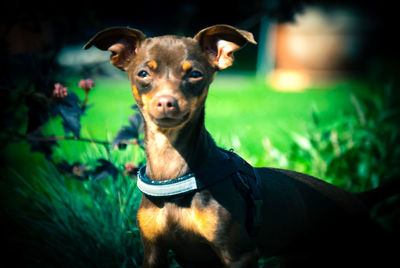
[{"x": 170, "y": 75}]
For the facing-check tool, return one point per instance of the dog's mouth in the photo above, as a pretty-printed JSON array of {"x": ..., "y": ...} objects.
[{"x": 169, "y": 122}]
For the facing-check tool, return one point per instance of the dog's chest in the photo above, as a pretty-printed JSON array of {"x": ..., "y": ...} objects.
[{"x": 171, "y": 220}]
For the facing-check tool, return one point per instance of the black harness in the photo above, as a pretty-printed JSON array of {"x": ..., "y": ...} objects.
[{"x": 228, "y": 166}]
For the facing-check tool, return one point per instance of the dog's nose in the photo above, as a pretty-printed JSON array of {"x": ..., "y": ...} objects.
[{"x": 166, "y": 104}]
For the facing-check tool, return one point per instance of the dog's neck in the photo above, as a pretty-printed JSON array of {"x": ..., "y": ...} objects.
[{"x": 174, "y": 152}]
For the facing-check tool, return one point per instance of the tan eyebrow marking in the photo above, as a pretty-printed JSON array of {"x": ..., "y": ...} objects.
[
  {"x": 152, "y": 64},
  {"x": 186, "y": 65}
]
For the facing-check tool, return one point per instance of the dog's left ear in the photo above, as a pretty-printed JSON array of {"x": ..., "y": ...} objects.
[{"x": 220, "y": 41}]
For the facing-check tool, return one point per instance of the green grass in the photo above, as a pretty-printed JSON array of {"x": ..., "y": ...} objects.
[
  {"x": 90, "y": 223},
  {"x": 70, "y": 223},
  {"x": 240, "y": 113}
]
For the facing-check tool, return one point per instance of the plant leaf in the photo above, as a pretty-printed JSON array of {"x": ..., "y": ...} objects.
[
  {"x": 44, "y": 146},
  {"x": 77, "y": 170},
  {"x": 130, "y": 132},
  {"x": 104, "y": 170},
  {"x": 70, "y": 111}
]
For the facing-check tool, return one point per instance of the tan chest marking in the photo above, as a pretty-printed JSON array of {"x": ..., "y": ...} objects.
[
  {"x": 155, "y": 221},
  {"x": 152, "y": 222}
]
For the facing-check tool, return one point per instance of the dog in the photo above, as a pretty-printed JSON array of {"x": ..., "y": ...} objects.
[{"x": 207, "y": 204}]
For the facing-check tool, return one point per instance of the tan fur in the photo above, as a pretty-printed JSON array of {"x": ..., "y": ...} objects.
[
  {"x": 161, "y": 149},
  {"x": 154, "y": 221},
  {"x": 135, "y": 92},
  {"x": 153, "y": 65},
  {"x": 186, "y": 66}
]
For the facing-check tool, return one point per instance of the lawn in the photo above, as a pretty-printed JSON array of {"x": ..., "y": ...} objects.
[
  {"x": 241, "y": 112},
  {"x": 92, "y": 223}
]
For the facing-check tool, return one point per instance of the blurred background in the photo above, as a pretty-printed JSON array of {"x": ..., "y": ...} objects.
[
  {"x": 318, "y": 94},
  {"x": 319, "y": 39}
]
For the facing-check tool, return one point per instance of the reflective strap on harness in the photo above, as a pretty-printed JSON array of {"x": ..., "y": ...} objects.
[{"x": 181, "y": 185}]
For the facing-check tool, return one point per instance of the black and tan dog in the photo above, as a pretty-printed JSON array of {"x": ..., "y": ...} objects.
[{"x": 192, "y": 203}]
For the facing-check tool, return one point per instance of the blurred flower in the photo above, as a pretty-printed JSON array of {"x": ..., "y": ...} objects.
[
  {"x": 79, "y": 170},
  {"x": 60, "y": 91},
  {"x": 86, "y": 84},
  {"x": 131, "y": 169}
]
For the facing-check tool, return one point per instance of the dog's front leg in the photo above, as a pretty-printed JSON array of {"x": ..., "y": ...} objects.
[
  {"x": 154, "y": 255},
  {"x": 237, "y": 249},
  {"x": 246, "y": 259}
]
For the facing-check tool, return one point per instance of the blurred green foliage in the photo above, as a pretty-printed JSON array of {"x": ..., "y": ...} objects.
[
  {"x": 358, "y": 151},
  {"x": 76, "y": 223}
]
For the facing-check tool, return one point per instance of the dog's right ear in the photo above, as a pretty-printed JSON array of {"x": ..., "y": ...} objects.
[
  {"x": 123, "y": 43},
  {"x": 220, "y": 41}
]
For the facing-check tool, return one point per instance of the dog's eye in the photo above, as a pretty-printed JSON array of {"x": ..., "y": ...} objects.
[
  {"x": 195, "y": 74},
  {"x": 143, "y": 74}
]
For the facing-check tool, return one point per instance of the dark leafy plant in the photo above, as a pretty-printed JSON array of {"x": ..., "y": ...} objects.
[
  {"x": 105, "y": 169},
  {"x": 83, "y": 213},
  {"x": 76, "y": 170},
  {"x": 42, "y": 144},
  {"x": 131, "y": 132},
  {"x": 70, "y": 108}
]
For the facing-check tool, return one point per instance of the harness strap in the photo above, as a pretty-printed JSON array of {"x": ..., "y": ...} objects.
[
  {"x": 253, "y": 200},
  {"x": 229, "y": 165},
  {"x": 248, "y": 183}
]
